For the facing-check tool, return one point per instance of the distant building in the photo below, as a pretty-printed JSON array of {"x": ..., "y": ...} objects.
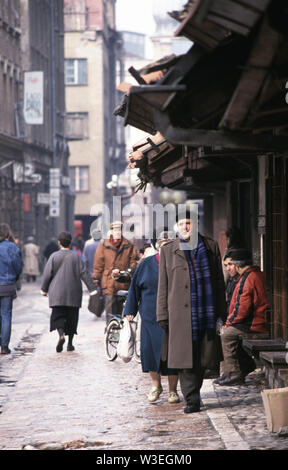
[
  {"x": 91, "y": 44},
  {"x": 32, "y": 134},
  {"x": 164, "y": 41},
  {"x": 11, "y": 146}
]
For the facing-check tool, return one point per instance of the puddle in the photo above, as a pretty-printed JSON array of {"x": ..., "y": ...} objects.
[{"x": 12, "y": 362}]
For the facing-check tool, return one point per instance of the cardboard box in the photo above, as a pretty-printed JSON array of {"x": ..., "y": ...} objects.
[{"x": 275, "y": 403}]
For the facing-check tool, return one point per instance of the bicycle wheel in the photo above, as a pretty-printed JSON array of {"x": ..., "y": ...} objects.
[{"x": 112, "y": 339}]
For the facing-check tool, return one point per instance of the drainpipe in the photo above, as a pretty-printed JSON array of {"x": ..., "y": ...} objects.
[
  {"x": 52, "y": 79},
  {"x": 262, "y": 205}
]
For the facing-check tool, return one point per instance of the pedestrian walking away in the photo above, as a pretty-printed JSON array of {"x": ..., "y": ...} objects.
[
  {"x": 62, "y": 282},
  {"x": 31, "y": 262},
  {"x": 90, "y": 250},
  {"x": 142, "y": 297},
  {"x": 10, "y": 269},
  {"x": 113, "y": 255},
  {"x": 50, "y": 248},
  {"x": 191, "y": 297},
  {"x": 247, "y": 313}
]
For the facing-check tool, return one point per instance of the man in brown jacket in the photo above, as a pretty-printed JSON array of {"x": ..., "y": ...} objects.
[
  {"x": 191, "y": 297},
  {"x": 113, "y": 255}
]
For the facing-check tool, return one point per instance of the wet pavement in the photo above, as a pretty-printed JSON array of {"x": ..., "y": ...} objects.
[{"x": 81, "y": 401}]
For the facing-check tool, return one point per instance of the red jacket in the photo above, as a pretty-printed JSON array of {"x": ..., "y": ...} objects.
[{"x": 249, "y": 302}]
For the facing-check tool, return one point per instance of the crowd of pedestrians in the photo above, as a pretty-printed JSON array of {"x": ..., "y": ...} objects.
[{"x": 195, "y": 306}]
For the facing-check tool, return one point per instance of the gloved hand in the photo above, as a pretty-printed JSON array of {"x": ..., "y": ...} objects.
[{"x": 164, "y": 325}]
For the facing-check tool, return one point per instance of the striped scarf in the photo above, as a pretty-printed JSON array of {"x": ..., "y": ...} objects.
[{"x": 202, "y": 304}]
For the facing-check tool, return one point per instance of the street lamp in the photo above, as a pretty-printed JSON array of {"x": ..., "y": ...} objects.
[
  {"x": 174, "y": 197},
  {"x": 113, "y": 184}
]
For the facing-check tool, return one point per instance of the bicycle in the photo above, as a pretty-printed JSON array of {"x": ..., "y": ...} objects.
[{"x": 113, "y": 329}]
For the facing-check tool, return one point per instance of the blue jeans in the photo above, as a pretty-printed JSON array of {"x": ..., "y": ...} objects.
[{"x": 6, "y": 317}]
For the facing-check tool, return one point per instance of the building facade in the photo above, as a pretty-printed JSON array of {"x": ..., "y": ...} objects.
[
  {"x": 32, "y": 131},
  {"x": 90, "y": 57},
  {"x": 42, "y": 49},
  {"x": 11, "y": 145}
]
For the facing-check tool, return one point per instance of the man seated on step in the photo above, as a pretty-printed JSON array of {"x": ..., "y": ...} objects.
[{"x": 247, "y": 312}]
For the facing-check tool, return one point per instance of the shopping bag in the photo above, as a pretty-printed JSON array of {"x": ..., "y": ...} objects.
[
  {"x": 275, "y": 403},
  {"x": 127, "y": 337},
  {"x": 96, "y": 303}
]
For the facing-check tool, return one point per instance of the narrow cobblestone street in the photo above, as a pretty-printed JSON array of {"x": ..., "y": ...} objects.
[{"x": 80, "y": 400}]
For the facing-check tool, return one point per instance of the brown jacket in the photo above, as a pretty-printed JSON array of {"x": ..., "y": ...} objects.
[
  {"x": 174, "y": 304},
  {"x": 107, "y": 258}
]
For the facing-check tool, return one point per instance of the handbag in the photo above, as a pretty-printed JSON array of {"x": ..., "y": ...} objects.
[
  {"x": 126, "y": 345},
  {"x": 96, "y": 303}
]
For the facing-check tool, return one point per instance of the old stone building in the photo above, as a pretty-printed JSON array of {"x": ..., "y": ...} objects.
[
  {"x": 42, "y": 49},
  {"x": 32, "y": 130},
  {"x": 11, "y": 145},
  {"x": 91, "y": 43}
]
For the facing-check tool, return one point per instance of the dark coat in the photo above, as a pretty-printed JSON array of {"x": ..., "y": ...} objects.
[
  {"x": 63, "y": 282},
  {"x": 89, "y": 255},
  {"x": 142, "y": 297},
  {"x": 174, "y": 304}
]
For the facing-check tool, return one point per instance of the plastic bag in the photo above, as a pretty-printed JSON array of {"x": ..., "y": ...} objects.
[{"x": 126, "y": 345}]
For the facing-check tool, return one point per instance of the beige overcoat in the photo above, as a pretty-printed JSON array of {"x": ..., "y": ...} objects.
[
  {"x": 31, "y": 263},
  {"x": 174, "y": 304}
]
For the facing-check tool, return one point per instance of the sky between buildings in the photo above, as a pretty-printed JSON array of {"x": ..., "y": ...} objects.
[{"x": 135, "y": 15}]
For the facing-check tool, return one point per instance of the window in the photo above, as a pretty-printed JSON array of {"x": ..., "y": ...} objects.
[
  {"x": 77, "y": 126},
  {"x": 75, "y": 71},
  {"x": 79, "y": 178}
]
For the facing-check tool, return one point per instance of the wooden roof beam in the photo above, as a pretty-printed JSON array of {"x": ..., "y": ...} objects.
[
  {"x": 257, "y": 68},
  {"x": 212, "y": 138}
]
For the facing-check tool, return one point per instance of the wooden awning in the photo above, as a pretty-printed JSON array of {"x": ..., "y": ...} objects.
[
  {"x": 158, "y": 84},
  {"x": 208, "y": 22},
  {"x": 229, "y": 101},
  {"x": 152, "y": 156}
]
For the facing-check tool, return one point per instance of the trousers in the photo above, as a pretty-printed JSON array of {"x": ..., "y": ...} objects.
[
  {"x": 191, "y": 380},
  {"x": 6, "y": 304},
  {"x": 231, "y": 339}
]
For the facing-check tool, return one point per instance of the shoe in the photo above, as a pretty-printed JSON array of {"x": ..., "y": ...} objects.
[
  {"x": 232, "y": 379},
  {"x": 173, "y": 397},
  {"x": 70, "y": 347},
  {"x": 5, "y": 350},
  {"x": 219, "y": 379},
  {"x": 192, "y": 408},
  {"x": 59, "y": 347},
  {"x": 211, "y": 374},
  {"x": 154, "y": 393},
  {"x": 248, "y": 370}
]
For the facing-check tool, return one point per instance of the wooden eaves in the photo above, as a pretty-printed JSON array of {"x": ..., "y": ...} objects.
[{"x": 208, "y": 22}]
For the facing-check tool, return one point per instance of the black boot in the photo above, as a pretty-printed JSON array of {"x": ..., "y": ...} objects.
[
  {"x": 59, "y": 347},
  {"x": 5, "y": 350},
  {"x": 233, "y": 378},
  {"x": 219, "y": 379},
  {"x": 70, "y": 346},
  {"x": 192, "y": 408}
]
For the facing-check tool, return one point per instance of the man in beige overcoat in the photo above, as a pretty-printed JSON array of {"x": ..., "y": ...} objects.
[{"x": 191, "y": 297}]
